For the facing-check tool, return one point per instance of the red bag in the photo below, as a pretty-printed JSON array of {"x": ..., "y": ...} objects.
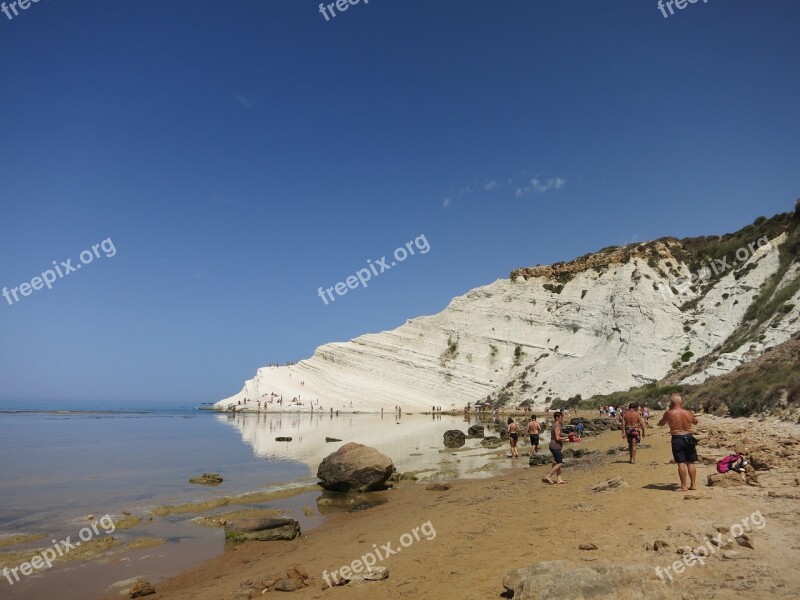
[{"x": 732, "y": 462}]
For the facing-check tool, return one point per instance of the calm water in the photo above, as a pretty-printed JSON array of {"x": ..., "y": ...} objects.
[{"x": 59, "y": 468}]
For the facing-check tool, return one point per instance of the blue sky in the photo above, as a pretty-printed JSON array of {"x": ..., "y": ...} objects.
[{"x": 241, "y": 155}]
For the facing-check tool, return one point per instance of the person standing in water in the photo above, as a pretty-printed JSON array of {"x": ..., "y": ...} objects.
[
  {"x": 533, "y": 430},
  {"x": 513, "y": 436}
]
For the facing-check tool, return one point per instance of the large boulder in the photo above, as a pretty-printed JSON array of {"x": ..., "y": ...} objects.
[
  {"x": 602, "y": 582},
  {"x": 355, "y": 468},
  {"x": 454, "y": 438},
  {"x": 262, "y": 530}
]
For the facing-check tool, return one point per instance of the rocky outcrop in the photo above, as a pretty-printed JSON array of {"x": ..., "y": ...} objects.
[{"x": 355, "y": 468}]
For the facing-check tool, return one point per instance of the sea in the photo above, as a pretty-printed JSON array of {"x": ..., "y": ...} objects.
[{"x": 63, "y": 467}]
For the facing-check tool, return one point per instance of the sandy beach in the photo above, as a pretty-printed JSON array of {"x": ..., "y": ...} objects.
[{"x": 488, "y": 527}]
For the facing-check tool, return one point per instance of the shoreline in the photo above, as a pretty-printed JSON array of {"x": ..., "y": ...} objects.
[{"x": 485, "y": 527}]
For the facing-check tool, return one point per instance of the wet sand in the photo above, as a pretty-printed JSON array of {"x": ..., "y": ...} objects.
[{"x": 485, "y": 528}]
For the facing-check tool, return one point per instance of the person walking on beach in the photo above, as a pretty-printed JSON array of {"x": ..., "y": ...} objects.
[
  {"x": 684, "y": 445},
  {"x": 632, "y": 430},
  {"x": 556, "y": 442},
  {"x": 513, "y": 436},
  {"x": 533, "y": 430}
]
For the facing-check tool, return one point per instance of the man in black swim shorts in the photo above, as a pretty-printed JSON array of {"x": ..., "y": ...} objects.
[
  {"x": 533, "y": 430},
  {"x": 684, "y": 449}
]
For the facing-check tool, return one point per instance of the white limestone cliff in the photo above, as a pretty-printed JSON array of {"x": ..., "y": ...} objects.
[{"x": 620, "y": 319}]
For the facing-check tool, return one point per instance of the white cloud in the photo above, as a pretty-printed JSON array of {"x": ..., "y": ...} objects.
[
  {"x": 540, "y": 187},
  {"x": 490, "y": 185},
  {"x": 245, "y": 101},
  {"x": 446, "y": 203},
  {"x": 466, "y": 190}
]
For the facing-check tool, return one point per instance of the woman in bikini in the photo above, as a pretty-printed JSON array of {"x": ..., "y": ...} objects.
[{"x": 513, "y": 436}]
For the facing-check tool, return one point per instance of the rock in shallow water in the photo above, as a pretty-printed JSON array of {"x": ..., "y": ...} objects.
[
  {"x": 355, "y": 468},
  {"x": 454, "y": 438},
  {"x": 476, "y": 431},
  {"x": 207, "y": 479},
  {"x": 262, "y": 530},
  {"x": 142, "y": 588}
]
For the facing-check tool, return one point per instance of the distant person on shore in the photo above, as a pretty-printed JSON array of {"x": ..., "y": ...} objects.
[
  {"x": 579, "y": 427},
  {"x": 533, "y": 430},
  {"x": 632, "y": 430},
  {"x": 556, "y": 442},
  {"x": 684, "y": 445},
  {"x": 513, "y": 437}
]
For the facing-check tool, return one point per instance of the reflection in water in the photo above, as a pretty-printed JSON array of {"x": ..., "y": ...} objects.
[
  {"x": 336, "y": 502},
  {"x": 413, "y": 442}
]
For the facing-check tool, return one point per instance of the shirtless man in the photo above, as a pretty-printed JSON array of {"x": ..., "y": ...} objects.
[
  {"x": 684, "y": 452},
  {"x": 632, "y": 429},
  {"x": 533, "y": 430}
]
